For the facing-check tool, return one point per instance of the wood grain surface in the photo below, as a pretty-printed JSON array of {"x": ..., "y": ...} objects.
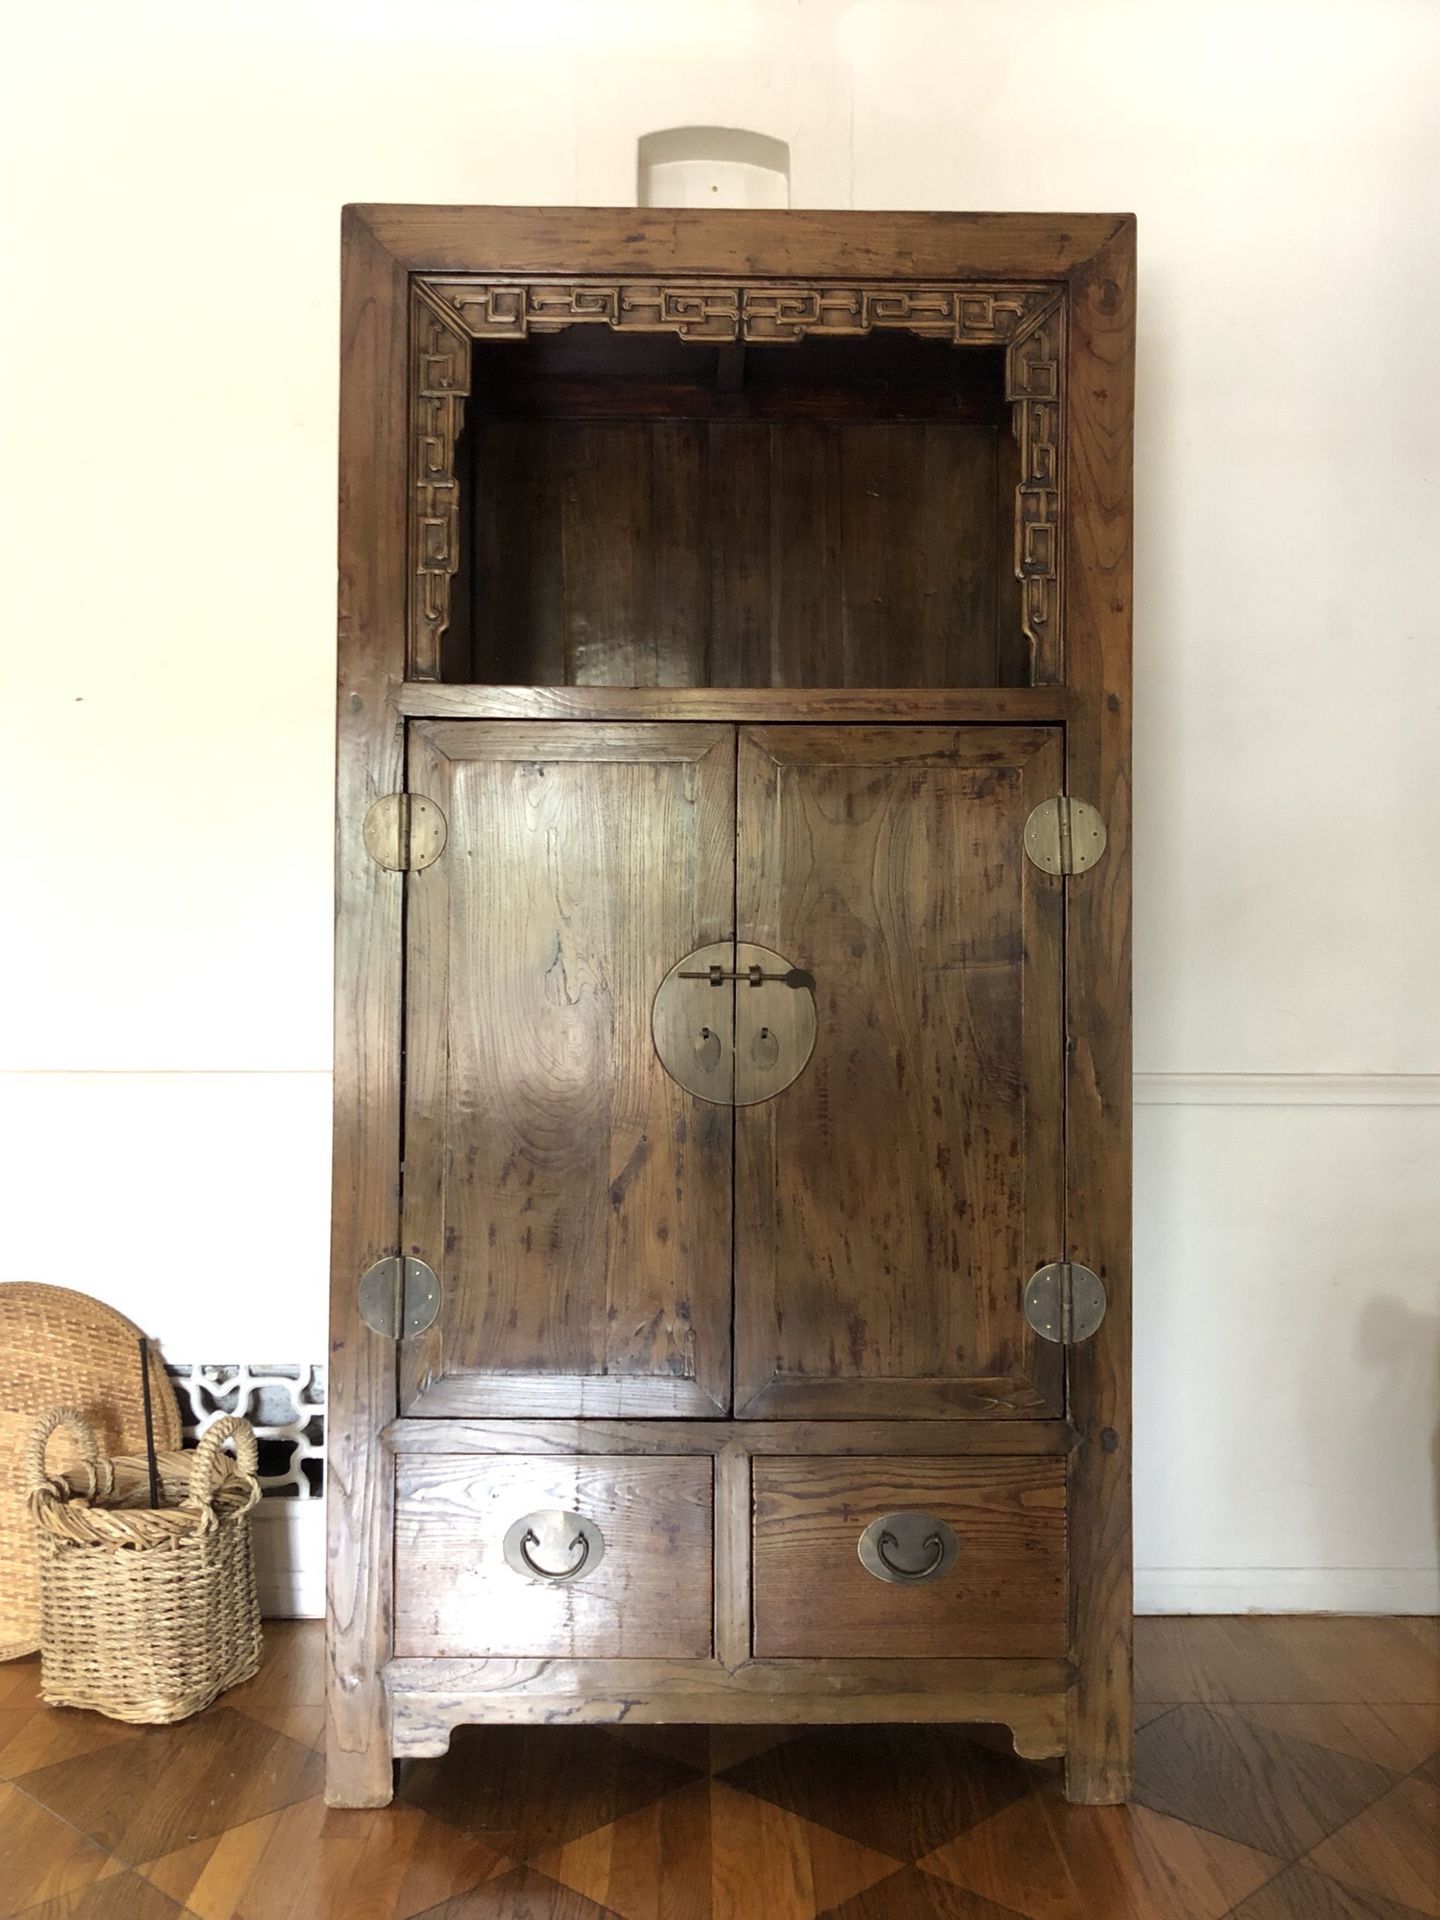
[
  {"x": 1035, "y": 706},
  {"x": 923, "y": 1437},
  {"x": 430, "y": 1697},
  {"x": 456, "y": 1595},
  {"x": 567, "y": 240},
  {"x": 689, "y": 554},
  {"x": 1005, "y": 1595},
  {"x": 366, "y": 1168},
  {"x": 1100, "y": 382},
  {"x": 893, "y": 1202},
  {"x": 574, "y": 1200}
]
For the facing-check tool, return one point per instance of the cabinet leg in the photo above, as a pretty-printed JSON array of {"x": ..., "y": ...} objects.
[
  {"x": 361, "y": 1774},
  {"x": 1099, "y": 1750},
  {"x": 359, "y": 1779}
]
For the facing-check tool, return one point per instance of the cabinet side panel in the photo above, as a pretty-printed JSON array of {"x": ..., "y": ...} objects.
[
  {"x": 1098, "y": 572},
  {"x": 367, "y": 1012}
]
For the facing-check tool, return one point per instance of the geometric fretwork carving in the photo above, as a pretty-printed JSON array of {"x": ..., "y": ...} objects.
[
  {"x": 1033, "y": 364},
  {"x": 761, "y": 310},
  {"x": 448, "y": 312},
  {"x": 440, "y": 380}
]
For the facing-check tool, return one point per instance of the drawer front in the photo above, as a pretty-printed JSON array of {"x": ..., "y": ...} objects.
[
  {"x": 605, "y": 1556},
  {"x": 974, "y": 1566}
]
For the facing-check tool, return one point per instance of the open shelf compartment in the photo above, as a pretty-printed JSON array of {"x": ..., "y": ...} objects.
[{"x": 644, "y": 510}]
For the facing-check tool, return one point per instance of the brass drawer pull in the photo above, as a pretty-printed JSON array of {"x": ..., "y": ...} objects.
[
  {"x": 908, "y": 1548},
  {"x": 933, "y": 1545},
  {"x": 554, "y": 1547},
  {"x": 530, "y": 1539}
]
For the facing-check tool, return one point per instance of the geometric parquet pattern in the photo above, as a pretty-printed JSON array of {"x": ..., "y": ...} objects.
[{"x": 1286, "y": 1769}]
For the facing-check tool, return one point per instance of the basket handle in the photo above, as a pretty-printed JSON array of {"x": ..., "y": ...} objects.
[
  {"x": 205, "y": 1470},
  {"x": 96, "y": 1463}
]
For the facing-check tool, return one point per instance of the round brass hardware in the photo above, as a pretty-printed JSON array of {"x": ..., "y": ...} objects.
[
  {"x": 554, "y": 1547},
  {"x": 907, "y": 1549},
  {"x": 1064, "y": 835},
  {"x": 1064, "y": 1302},
  {"x": 404, "y": 832},
  {"x": 734, "y": 1023},
  {"x": 398, "y": 1298}
]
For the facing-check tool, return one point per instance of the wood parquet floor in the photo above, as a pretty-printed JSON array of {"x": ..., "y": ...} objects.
[{"x": 1287, "y": 1769}]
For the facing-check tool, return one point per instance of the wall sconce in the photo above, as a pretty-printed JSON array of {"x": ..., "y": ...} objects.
[{"x": 712, "y": 167}]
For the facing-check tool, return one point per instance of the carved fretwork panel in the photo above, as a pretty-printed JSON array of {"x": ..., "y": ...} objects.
[
  {"x": 440, "y": 381},
  {"x": 448, "y": 313},
  {"x": 1032, "y": 386},
  {"x": 971, "y": 315}
]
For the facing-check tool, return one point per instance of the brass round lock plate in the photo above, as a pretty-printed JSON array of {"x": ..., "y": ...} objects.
[
  {"x": 693, "y": 1024},
  {"x": 734, "y": 1023},
  {"x": 908, "y": 1549},
  {"x": 404, "y": 832},
  {"x": 553, "y": 1548}
]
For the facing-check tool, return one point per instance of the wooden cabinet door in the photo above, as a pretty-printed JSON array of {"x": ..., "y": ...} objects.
[
  {"x": 574, "y": 1200},
  {"x": 892, "y": 1203}
]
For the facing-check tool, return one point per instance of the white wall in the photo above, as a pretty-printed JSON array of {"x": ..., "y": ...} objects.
[{"x": 175, "y": 174}]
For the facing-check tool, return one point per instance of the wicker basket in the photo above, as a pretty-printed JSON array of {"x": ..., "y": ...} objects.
[
  {"x": 62, "y": 1349},
  {"x": 146, "y": 1613}
]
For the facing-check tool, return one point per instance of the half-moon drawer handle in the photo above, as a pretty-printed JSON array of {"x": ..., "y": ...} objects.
[
  {"x": 530, "y": 1539},
  {"x": 932, "y": 1546},
  {"x": 554, "y": 1547},
  {"x": 908, "y": 1548}
]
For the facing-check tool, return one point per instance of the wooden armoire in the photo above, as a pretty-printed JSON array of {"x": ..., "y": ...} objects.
[{"x": 730, "y": 1300}]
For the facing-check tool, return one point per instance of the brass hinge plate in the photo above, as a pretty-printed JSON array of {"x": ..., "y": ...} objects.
[
  {"x": 405, "y": 832},
  {"x": 1064, "y": 835},
  {"x": 1065, "y": 1302},
  {"x": 398, "y": 1298}
]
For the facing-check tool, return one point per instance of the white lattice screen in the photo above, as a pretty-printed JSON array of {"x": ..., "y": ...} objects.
[{"x": 284, "y": 1403}]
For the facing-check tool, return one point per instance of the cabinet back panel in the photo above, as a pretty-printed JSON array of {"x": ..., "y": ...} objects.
[{"x": 692, "y": 552}]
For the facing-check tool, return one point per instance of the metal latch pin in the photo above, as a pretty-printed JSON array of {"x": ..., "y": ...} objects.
[{"x": 755, "y": 976}]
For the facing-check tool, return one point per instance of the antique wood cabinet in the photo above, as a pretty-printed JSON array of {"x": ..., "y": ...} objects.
[{"x": 730, "y": 1295}]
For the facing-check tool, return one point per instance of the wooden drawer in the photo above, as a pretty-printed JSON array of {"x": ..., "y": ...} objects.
[
  {"x": 646, "y": 1590},
  {"x": 1004, "y": 1595}
]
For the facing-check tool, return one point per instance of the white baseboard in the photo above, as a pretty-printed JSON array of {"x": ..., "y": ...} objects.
[
  {"x": 1287, "y": 1590},
  {"x": 290, "y": 1558},
  {"x": 1287, "y": 1089}
]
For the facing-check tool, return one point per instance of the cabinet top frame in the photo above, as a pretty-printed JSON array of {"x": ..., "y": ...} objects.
[
  {"x": 501, "y": 274},
  {"x": 422, "y": 283},
  {"x": 726, "y": 243}
]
